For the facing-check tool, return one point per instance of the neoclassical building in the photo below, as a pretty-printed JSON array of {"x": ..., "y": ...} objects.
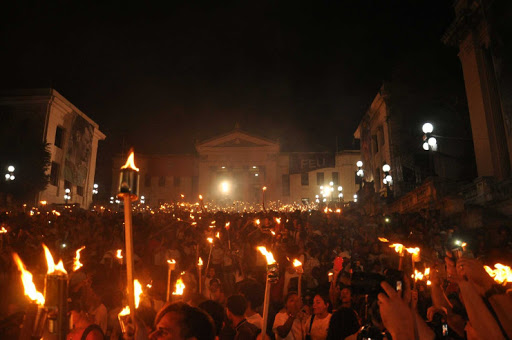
[{"x": 236, "y": 166}]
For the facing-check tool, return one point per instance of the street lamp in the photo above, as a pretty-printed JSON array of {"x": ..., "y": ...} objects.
[
  {"x": 142, "y": 199},
  {"x": 360, "y": 174},
  {"x": 429, "y": 141},
  {"x": 340, "y": 194},
  {"x": 67, "y": 195},
  {"x": 355, "y": 198},
  {"x": 95, "y": 189},
  {"x": 388, "y": 180},
  {"x": 10, "y": 176}
]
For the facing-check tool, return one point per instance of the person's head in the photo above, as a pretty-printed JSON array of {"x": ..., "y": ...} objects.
[
  {"x": 254, "y": 292},
  {"x": 216, "y": 311},
  {"x": 214, "y": 285},
  {"x": 211, "y": 272},
  {"x": 179, "y": 321},
  {"x": 236, "y": 306},
  {"x": 292, "y": 302},
  {"x": 346, "y": 295},
  {"x": 321, "y": 305}
]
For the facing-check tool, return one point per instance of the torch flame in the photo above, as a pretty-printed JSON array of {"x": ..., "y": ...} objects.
[
  {"x": 414, "y": 251},
  {"x": 217, "y": 235},
  {"x": 3, "y": 230},
  {"x": 200, "y": 262},
  {"x": 125, "y": 311},
  {"x": 180, "y": 287},
  {"x": 268, "y": 255},
  {"x": 118, "y": 254},
  {"x": 264, "y": 188},
  {"x": 297, "y": 263},
  {"x": 278, "y": 220},
  {"x": 399, "y": 248},
  {"x": 76, "y": 262},
  {"x": 273, "y": 233},
  {"x": 258, "y": 221},
  {"x": 382, "y": 239},
  {"x": 52, "y": 267},
  {"x": 200, "y": 197},
  {"x": 227, "y": 225},
  {"x": 130, "y": 162},
  {"x": 172, "y": 261},
  {"x": 28, "y": 284},
  {"x": 137, "y": 291},
  {"x": 501, "y": 274},
  {"x": 210, "y": 240}
]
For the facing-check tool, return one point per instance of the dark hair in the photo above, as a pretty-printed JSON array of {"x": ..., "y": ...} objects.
[
  {"x": 216, "y": 311},
  {"x": 290, "y": 294},
  {"x": 343, "y": 323},
  {"x": 237, "y": 304},
  {"x": 326, "y": 300},
  {"x": 254, "y": 292},
  {"x": 193, "y": 323}
]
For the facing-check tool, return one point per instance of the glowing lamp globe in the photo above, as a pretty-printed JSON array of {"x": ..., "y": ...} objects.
[
  {"x": 432, "y": 141},
  {"x": 359, "y": 164},
  {"x": 386, "y": 168},
  {"x": 427, "y": 128}
]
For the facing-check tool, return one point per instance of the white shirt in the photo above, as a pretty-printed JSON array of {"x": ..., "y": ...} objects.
[
  {"x": 319, "y": 328},
  {"x": 296, "y": 333},
  {"x": 256, "y": 320}
]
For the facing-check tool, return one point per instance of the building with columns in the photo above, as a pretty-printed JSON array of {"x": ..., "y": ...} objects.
[
  {"x": 236, "y": 166},
  {"x": 72, "y": 137},
  {"x": 481, "y": 32}
]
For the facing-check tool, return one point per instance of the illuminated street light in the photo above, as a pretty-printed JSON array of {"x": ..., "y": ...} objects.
[
  {"x": 427, "y": 128},
  {"x": 95, "y": 189},
  {"x": 386, "y": 167},
  {"x": 10, "y": 176},
  {"x": 142, "y": 199},
  {"x": 10, "y": 168},
  {"x": 67, "y": 195},
  {"x": 224, "y": 187}
]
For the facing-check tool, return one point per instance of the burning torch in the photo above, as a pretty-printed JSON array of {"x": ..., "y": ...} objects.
[
  {"x": 128, "y": 190},
  {"x": 172, "y": 265},
  {"x": 56, "y": 296},
  {"x": 272, "y": 277}
]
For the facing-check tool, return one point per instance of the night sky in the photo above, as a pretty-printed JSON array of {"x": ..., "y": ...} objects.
[{"x": 158, "y": 77}]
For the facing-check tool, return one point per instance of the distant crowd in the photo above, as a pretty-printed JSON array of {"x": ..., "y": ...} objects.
[{"x": 353, "y": 283}]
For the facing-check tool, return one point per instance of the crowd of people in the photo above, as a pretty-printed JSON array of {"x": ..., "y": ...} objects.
[{"x": 352, "y": 284}]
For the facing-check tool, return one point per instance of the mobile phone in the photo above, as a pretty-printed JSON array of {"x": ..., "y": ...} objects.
[
  {"x": 445, "y": 329},
  {"x": 398, "y": 286}
]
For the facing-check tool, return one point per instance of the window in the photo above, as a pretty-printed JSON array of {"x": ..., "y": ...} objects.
[
  {"x": 147, "y": 180},
  {"x": 319, "y": 178},
  {"x": 177, "y": 181},
  {"x": 59, "y": 137},
  {"x": 68, "y": 185},
  {"x": 304, "y": 178},
  {"x": 54, "y": 174},
  {"x": 335, "y": 178},
  {"x": 375, "y": 145},
  {"x": 79, "y": 190},
  {"x": 161, "y": 181},
  {"x": 286, "y": 185}
]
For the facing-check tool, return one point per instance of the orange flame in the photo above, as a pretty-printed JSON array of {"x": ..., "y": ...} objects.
[
  {"x": 278, "y": 220},
  {"x": 399, "y": 248},
  {"x": 130, "y": 162},
  {"x": 200, "y": 262},
  {"x": 227, "y": 225},
  {"x": 28, "y": 284},
  {"x": 258, "y": 221},
  {"x": 125, "y": 311},
  {"x": 200, "y": 197},
  {"x": 76, "y": 262},
  {"x": 179, "y": 288},
  {"x": 52, "y": 267},
  {"x": 382, "y": 239},
  {"x": 264, "y": 188},
  {"x": 218, "y": 235},
  {"x": 501, "y": 274},
  {"x": 268, "y": 255},
  {"x": 273, "y": 233},
  {"x": 137, "y": 291},
  {"x": 118, "y": 254},
  {"x": 210, "y": 240},
  {"x": 172, "y": 261},
  {"x": 297, "y": 263},
  {"x": 3, "y": 230}
]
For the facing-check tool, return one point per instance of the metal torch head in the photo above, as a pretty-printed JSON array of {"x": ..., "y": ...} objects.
[
  {"x": 273, "y": 272},
  {"x": 129, "y": 178}
]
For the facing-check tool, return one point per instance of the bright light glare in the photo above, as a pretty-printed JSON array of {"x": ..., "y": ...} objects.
[
  {"x": 95, "y": 186},
  {"x": 224, "y": 187},
  {"x": 340, "y": 188},
  {"x": 425, "y": 146},
  {"x": 359, "y": 164},
  {"x": 331, "y": 183},
  {"x": 386, "y": 168},
  {"x": 427, "y": 128},
  {"x": 432, "y": 141},
  {"x": 10, "y": 168}
]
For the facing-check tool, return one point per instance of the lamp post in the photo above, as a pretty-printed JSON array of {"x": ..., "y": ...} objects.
[
  {"x": 263, "y": 197},
  {"x": 67, "y": 195},
  {"x": 355, "y": 198},
  {"x": 429, "y": 143},
  {"x": 388, "y": 180},
  {"x": 360, "y": 174},
  {"x": 9, "y": 176},
  {"x": 340, "y": 193}
]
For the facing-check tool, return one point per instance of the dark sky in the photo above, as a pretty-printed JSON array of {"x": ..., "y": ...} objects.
[{"x": 161, "y": 76}]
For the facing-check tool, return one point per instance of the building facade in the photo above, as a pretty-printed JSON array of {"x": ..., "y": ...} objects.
[
  {"x": 236, "y": 166},
  {"x": 481, "y": 31},
  {"x": 72, "y": 137}
]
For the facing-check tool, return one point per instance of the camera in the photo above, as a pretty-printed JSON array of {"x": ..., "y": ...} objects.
[
  {"x": 439, "y": 325},
  {"x": 369, "y": 283},
  {"x": 458, "y": 249}
]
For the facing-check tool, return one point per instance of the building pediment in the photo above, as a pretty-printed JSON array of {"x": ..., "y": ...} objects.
[{"x": 236, "y": 139}]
